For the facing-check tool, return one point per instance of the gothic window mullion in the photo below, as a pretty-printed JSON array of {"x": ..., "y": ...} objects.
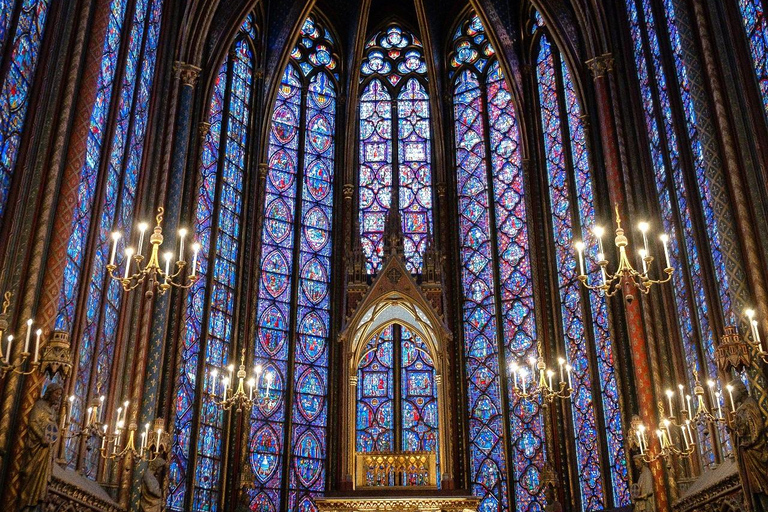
[
  {"x": 587, "y": 311},
  {"x": 293, "y": 321},
  {"x": 200, "y": 384},
  {"x": 670, "y": 185},
  {"x": 397, "y": 370},
  {"x": 503, "y": 380},
  {"x": 92, "y": 245}
]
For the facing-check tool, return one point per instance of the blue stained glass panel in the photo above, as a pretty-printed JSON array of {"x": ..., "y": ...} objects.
[
  {"x": 310, "y": 410},
  {"x": 16, "y": 84},
  {"x": 756, "y": 28},
  {"x": 572, "y": 308},
  {"x": 81, "y": 220},
  {"x": 488, "y": 460},
  {"x": 375, "y": 186},
  {"x": 195, "y": 306}
]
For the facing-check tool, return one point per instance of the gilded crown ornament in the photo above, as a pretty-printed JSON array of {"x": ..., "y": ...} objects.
[{"x": 625, "y": 277}]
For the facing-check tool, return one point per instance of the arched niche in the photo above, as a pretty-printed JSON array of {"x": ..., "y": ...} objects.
[{"x": 406, "y": 307}]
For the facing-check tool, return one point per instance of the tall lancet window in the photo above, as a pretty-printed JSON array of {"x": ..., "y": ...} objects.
[
  {"x": 288, "y": 438},
  {"x": 22, "y": 26},
  {"x": 756, "y": 27},
  {"x": 106, "y": 198},
  {"x": 602, "y": 468},
  {"x": 506, "y": 434},
  {"x": 667, "y": 140},
  {"x": 395, "y": 145},
  {"x": 198, "y": 438}
]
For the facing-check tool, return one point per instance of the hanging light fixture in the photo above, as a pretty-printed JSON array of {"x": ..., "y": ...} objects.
[
  {"x": 625, "y": 277},
  {"x": 539, "y": 380},
  {"x": 158, "y": 277}
]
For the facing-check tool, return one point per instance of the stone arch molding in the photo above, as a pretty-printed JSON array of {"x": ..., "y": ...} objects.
[{"x": 393, "y": 297}]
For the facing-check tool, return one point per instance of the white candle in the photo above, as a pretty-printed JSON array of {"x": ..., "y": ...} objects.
[
  {"x": 231, "y": 370},
  {"x": 730, "y": 394},
  {"x": 8, "y": 349},
  {"x": 214, "y": 374},
  {"x": 29, "y": 336},
  {"x": 257, "y": 369},
  {"x": 69, "y": 411},
  {"x": 146, "y": 435},
  {"x": 580, "y": 249},
  {"x": 523, "y": 374},
  {"x": 142, "y": 229},
  {"x": 143, "y": 443},
  {"x": 690, "y": 410},
  {"x": 37, "y": 344},
  {"x": 598, "y": 231},
  {"x": 681, "y": 389},
  {"x": 195, "y": 250},
  {"x": 182, "y": 234},
  {"x": 225, "y": 381},
  {"x": 550, "y": 373},
  {"x": 561, "y": 364},
  {"x": 104, "y": 439},
  {"x": 757, "y": 335},
  {"x": 101, "y": 407},
  {"x": 719, "y": 406},
  {"x": 643, "y": 227},
  {"x": 89, "y": 416},
  {"x": 711, "y": 386},
  {"x": 640, "y": 442},
  {"x": 128, "y": 256},
  {"x": 641, "y": 437},
  {"x": 568, "y": 369},
  {"x": 643, "y": 253},
  {"x": 168, "y": 256},
  {"x": 251, "y": 383},
  {"x": 685, "y": 437},
  {"x": 601, "y": 257},
  {"x": 115, "y": 239},
  {"x": 125, "y": 410},
  {"x": 665, "y": 240}
]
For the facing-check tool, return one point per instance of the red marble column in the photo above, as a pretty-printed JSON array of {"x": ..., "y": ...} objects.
[{"x": 600, "y": 67}]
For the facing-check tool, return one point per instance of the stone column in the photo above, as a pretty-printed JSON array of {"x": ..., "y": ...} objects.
[
  {"x": 148, "y": 361},
  {"x": 600, "y": 67}
]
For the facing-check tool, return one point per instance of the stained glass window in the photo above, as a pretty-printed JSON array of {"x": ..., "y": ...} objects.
[
  {"x": 97, "y": 330},
  {"x": 756, "y": 27},
  {"x": 570, "y": 178},
  {"x": 395, "y": 145},
  {"x": 289, "y": 440},
  {"x": 396, "y": 367},
  {"x": 22, "y": 25},
  {"x": 209, "y": 312},
  {"x": 666, "y": 141},
  {"x": 499, "y": 324}
]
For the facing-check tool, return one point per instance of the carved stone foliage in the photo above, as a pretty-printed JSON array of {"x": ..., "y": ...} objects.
[
  {"x": 66, "y": 495},
  {"x": 718, "y": 490},
  {"x": 370, "y": 504}
]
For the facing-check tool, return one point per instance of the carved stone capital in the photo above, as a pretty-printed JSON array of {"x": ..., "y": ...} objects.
[
  {"x": 258, "y": 74},
  {"x": 263, "y": 170},
  {"x": 188, "y": 73},
  {"x": 600, "y": 65},
  {"x": 442, "y": 189},
  {"x": 527, "y": 164},
  {"x": 203, "y": 128},
  {"x": 348, "y": 190}
]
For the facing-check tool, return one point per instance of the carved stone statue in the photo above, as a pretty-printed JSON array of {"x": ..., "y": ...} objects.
[
  {"x": 553, "y": 505},
  {"x": 752, "y": 434},
  {"x": 153, "y": 486},
  {"x": 42, "y": 434},
  {"x": 642, "y": 490}
]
